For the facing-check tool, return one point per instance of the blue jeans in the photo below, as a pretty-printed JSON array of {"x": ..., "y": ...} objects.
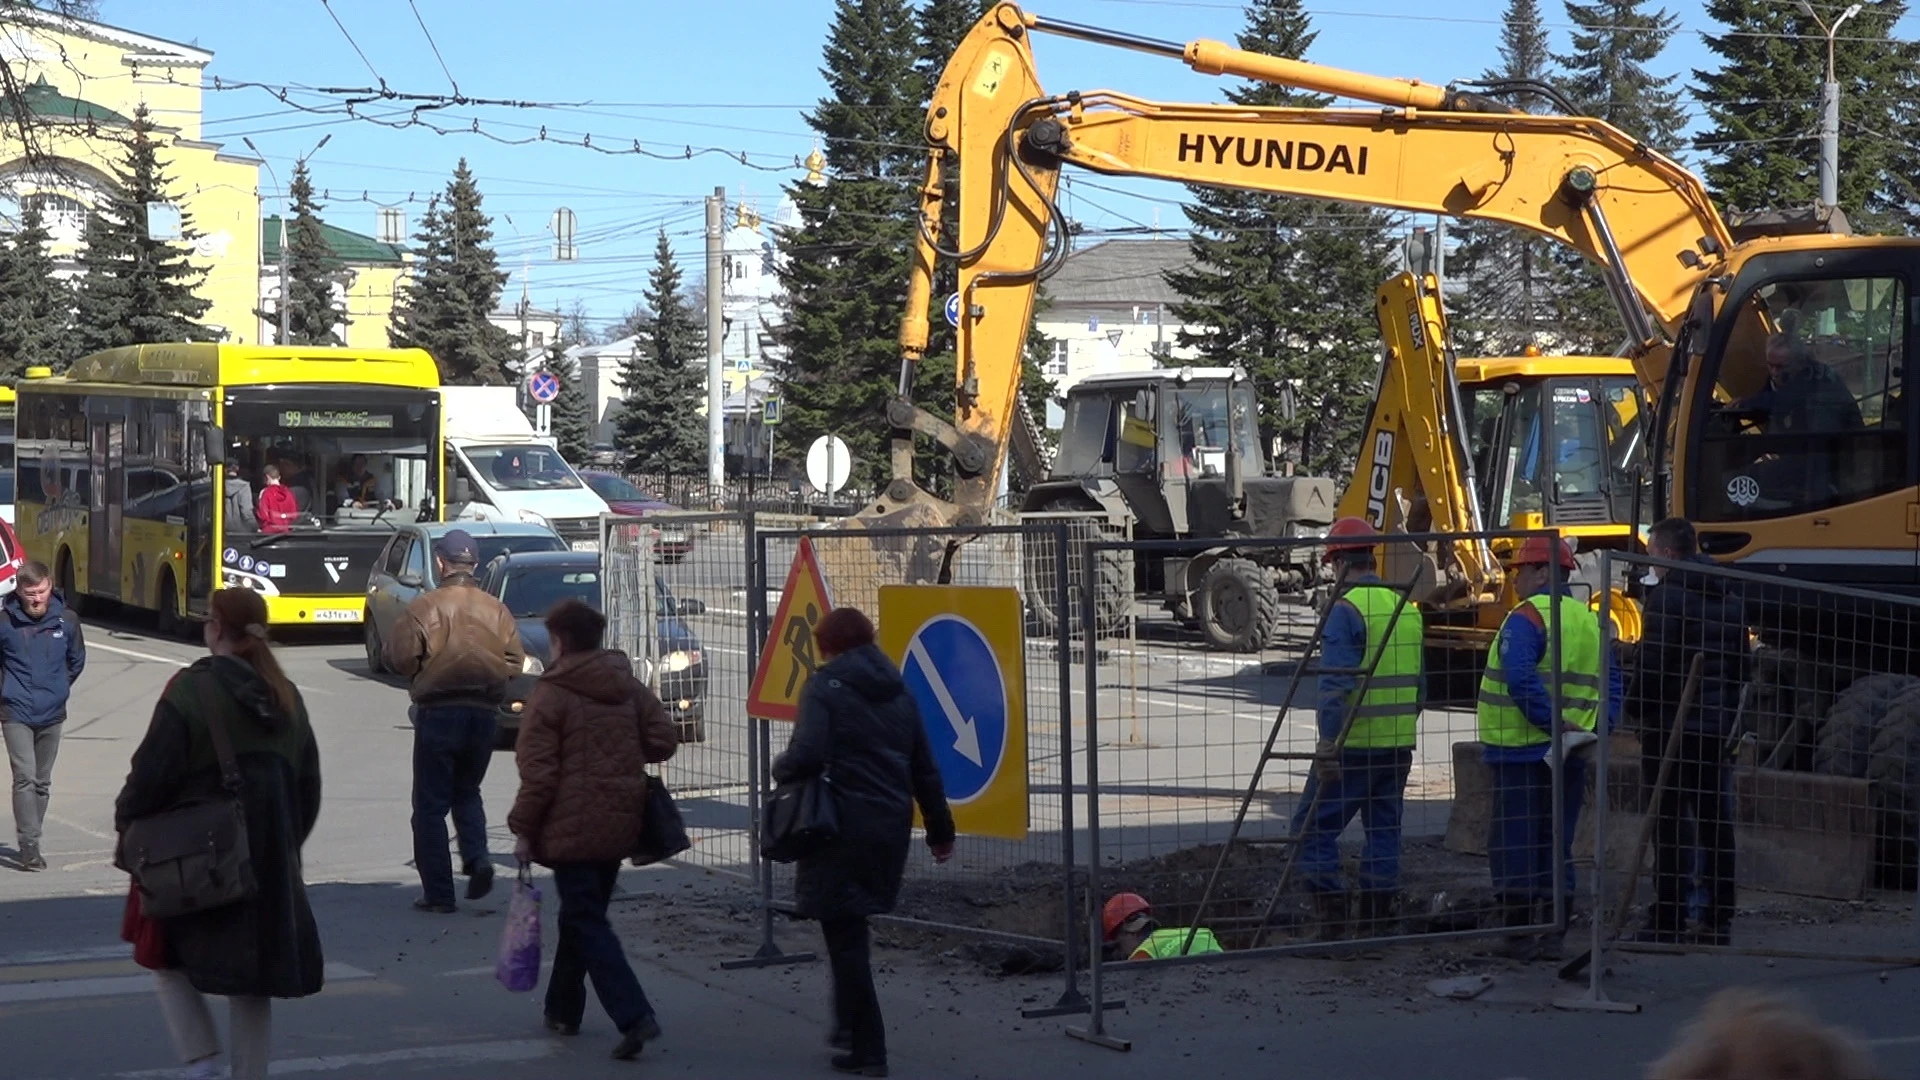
[
  {"x": 590, "y": 949},
  {"x": 1520, "y": 829},
  {"x": 1373, "y": 784},
  {"x": 452, "y": 745}
]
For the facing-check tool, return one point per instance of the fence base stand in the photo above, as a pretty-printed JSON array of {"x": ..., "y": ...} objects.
[
  {"x": 768, "y": 956},
  {"x": 1071, "y": 1003},
  {"x": 1595, "y": 1001},
  {"x": 1100, "y": 1038}
]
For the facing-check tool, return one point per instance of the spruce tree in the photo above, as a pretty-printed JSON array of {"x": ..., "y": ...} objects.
[
  {"x": 661, "y": 431},
  {"x": 456, "y": 282},
  {"x": 135, "y": 290},
  {"x": 1508, "y": 279},
  {"x": 314, "y": 315},
  {"x": 36, "y": 305},
  {"x": 845, "y": 274},
  {"x": 572, "y": 412},
  {"x": 1606, "y": 75},
  {"x": 1280, "y": 283},
  {"x": 1760, "y": 144}
]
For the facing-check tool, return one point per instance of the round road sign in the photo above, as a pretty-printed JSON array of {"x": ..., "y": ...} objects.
[
  {"x": 829, "y": 464},
  {"x": 543, "y": 386},
  {"x": 953, "y": 311},
  {"x": 954, "y": 677}
]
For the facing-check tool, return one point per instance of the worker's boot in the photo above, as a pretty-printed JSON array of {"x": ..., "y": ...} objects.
[
  {"x": 1516, "y": 912},
  {"x": 1376, "y": 915},
  {"x": 1330, "y": 916}
]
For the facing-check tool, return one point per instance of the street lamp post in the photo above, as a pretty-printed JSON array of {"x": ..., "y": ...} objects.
[
  {"x": 286, "y": 208},
  {"x": 1829, "y": 109}
]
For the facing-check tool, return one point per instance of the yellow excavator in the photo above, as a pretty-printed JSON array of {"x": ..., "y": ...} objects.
[
  {"x": 1464, "y": 446},
  {"x": 1827, "y": 490}
]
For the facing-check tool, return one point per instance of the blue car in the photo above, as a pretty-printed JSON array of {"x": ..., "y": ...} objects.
[{"x": 531, "y": 582}]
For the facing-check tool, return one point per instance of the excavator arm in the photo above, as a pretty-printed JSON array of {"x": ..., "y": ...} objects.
[{"x": 1644, "y": 219}]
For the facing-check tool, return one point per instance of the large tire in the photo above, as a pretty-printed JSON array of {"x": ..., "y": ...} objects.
[
  {"x": 1112, "y": 582},
  {"x": 1237, "y": 605},
  {"x": 1893, "y": 766},
  {"x": 1847, "y": 735}
]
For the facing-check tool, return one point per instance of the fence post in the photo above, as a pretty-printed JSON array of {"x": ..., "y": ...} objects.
[
  {"x": 759, "y": 765},
  {"x": 1096, "y": 1030}
]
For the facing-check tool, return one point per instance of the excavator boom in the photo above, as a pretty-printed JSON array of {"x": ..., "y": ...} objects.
[{"x": 1642, "y": 217}]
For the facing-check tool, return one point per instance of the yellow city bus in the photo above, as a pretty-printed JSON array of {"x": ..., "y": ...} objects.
[{"x": 140, "y": 472}]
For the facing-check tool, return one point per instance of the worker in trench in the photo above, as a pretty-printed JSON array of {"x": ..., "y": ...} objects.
[
  {"x": 1519, "y": 720},
  {"x": 1371, "y": 687},
  {"x": 1132, "y": 933}
]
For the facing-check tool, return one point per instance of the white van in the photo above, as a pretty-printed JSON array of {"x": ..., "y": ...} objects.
[{"x": 499, "y": 469}]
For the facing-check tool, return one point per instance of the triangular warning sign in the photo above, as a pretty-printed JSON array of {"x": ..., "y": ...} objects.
[{"x": 787, "y": 659}]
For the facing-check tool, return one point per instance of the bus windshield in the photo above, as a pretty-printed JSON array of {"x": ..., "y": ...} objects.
[{"x": 350, "y": 459}]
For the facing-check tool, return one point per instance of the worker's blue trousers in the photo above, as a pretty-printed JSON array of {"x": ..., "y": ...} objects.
[
  {"x": 1373, "y": 784},
  {"x": 1520, "y": 827}
]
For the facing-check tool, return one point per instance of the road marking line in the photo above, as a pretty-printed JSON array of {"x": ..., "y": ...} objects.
[
  {"x": 125, "y": 985},
  {"x": 66, "y": 956},
  {"x": 506, "y": 1050},
  {"x": 138, "y": 655},
  {"x": 95, "y": 833}
]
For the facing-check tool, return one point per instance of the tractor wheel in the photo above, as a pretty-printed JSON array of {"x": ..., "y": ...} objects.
[
  {"x": 1237, "y": 605},
  {"x": 1894, "y": 768},
  {"x": 1112, "y": 583},
  {"x": 1847, "y": 735}
]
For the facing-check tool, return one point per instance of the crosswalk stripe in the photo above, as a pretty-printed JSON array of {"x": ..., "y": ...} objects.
[
  {"x": 485, "y": 1053},
  {"x": 67, "y": 989}
]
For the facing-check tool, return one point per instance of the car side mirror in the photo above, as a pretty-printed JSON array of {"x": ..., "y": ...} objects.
[
  {"x": 692, "y": 607},
  {"x": 213, "y": 443},
  {"x": 410, "y": 579},
  {"x": 462, "y": 490}
]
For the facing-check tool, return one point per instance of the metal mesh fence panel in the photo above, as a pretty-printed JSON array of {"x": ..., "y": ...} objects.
[
  {"x": 1767, "y": 784},
  {"x": 1378, "y": 797}
]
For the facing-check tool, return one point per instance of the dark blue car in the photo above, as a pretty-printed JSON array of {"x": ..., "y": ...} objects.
[{"x": 531, "y": 582}]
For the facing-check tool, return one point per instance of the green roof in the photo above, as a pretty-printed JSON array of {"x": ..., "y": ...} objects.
[
  {"x": 352, "y": 248},
  {"x": 42, "y": 100}
]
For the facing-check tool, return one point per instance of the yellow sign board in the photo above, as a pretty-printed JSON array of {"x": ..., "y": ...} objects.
[
  {"x": 962, "y": 652},
  {"x": 787, "y": 659}
]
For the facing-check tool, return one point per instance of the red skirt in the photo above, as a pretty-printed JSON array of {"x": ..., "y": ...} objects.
[{"x": 146, "y": 935}]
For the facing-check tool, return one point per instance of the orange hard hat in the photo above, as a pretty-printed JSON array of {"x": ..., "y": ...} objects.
[
  {"x": 1120, "y": 908},
  {"x": 1350, "y": 534},
  {"x": 1538, "y": 549}
]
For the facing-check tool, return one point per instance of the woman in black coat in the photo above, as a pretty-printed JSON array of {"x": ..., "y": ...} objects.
[
  {"x": 267, "y": 946},
  {"x": 859, "y": 725}
]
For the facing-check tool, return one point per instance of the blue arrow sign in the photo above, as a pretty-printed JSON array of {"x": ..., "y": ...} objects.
[
  {"x": 543, "y": 386},
  {"x": 955, "y": 679},
  {"x": 953, "y": 311}
]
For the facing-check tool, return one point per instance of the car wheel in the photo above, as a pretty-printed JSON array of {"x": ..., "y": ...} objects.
[{"x": 376, "y": 650}]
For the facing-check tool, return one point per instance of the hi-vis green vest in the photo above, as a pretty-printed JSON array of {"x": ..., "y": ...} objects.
[
  {"x": 1386, "y": 715},
  {"x": 1164, "y": 943},
  {"x": 1501, "y": 721}
]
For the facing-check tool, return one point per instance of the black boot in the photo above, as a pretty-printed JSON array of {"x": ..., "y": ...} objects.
[
  {"x": 1376, "y": 915},
  {"x": 1514, "y": 914},
  {"x": 1330, "y": 916}
]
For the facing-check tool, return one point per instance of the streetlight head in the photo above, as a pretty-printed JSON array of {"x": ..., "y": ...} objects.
[
  {"x": 322, "y": 143},
  {"x": 250, "y": 145},
  {"x": 1852, "y": 10},
  {"x": 1808, "y": 8}
]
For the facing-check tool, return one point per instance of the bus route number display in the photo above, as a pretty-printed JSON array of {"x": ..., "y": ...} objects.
[{"x": 360, "y": 421}]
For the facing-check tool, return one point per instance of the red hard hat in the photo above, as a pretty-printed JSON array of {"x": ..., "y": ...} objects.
[
  {"x": 1538, "y": 549},
  {"x": 1350, "y": 534},
  {"x": 1120, "y": 908}
]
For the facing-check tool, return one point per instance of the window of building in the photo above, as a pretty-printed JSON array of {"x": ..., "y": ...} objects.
[{"x": 1056, "y": 358}]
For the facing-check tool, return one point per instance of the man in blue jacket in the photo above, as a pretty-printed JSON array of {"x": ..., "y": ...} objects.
[{"x": 41, "y": 653}]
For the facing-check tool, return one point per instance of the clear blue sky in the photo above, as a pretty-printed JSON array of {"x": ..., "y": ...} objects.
[{"x": 735, "y": 74}]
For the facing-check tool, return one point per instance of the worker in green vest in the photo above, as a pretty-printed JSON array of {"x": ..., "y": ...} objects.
[
  {"x": 1520, "y": 715},
  {"x": 1133, "y": 934},
  {"x": 1370, "y": 688}
]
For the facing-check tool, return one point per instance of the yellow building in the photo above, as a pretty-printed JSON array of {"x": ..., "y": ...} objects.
[
  {"x": 83, "y": 81},
  {"x": 372, "y": 275}
]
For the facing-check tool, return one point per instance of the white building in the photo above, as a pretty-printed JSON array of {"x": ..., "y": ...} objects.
[
  {"x": 600, "y": 368},
  {"x": 1110, "y": 310},
  {"x": 531, "y": 327}
]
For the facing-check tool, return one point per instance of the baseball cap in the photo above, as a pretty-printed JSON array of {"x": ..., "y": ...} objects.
[{"x": 457, "y": 547}]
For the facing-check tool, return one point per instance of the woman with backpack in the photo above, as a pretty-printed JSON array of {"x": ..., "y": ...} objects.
[{"x": 266, "y": 945}]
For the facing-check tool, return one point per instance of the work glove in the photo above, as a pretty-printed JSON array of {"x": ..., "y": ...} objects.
[{"x": 1327, "y": 761}]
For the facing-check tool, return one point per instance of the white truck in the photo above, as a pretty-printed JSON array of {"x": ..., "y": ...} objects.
[{"x": 500, "y": 469}]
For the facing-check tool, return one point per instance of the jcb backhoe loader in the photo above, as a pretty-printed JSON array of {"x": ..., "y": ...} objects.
[{"x": 1839, "y": 502}]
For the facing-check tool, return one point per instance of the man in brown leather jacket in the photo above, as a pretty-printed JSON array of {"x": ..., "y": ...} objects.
[
  {"x": 589, "y": 733},
  {"x": 460, "y": 645}
]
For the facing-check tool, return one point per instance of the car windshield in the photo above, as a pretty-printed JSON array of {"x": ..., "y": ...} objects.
[
  {"x": 492, "y": 547},
  {"x": 522, "y": 467},
  {"x": 611, "y": 487},
  {"x": 532, "y": 591}
]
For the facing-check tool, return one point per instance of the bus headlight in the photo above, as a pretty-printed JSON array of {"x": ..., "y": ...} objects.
[
  {"x": 680, "y": 661},
  {"x": 532, "y": 666}
]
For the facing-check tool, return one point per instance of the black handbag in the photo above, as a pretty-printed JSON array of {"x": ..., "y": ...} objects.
[
  {"x": 663, "y": 834},
  {"x": 800, "y": 819},
  {"x": 193, "y": 857}
]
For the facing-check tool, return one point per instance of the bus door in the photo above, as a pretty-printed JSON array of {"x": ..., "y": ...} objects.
[
  {"x": 108, "y": 462},
  {"x": 201, "y": 434}
]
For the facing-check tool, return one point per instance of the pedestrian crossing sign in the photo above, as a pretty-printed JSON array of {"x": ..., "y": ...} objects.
[{"x": 787, "y": 659}]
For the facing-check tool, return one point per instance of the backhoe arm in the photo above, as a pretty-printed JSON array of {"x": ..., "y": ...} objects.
[{"x": 1643, "y": 218}]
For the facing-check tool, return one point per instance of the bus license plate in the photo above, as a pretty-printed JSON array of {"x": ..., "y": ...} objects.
[{"x": 336, "y": 615}]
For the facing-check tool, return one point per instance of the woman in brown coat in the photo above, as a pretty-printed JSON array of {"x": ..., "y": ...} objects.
[{"x": 588, "y": 734}]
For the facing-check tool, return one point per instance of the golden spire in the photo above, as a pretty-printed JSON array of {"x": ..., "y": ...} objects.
[
  {"x": 816, "y": 168},
  {"x": 747, "y": 218}
]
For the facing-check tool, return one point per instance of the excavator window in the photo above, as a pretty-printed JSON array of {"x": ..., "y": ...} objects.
[{"x": 1816, "y": 410}]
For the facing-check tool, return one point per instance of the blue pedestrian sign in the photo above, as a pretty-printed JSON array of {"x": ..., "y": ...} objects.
[
  {"x": 955, "y": 679},
  {"x": 953, "y": 311},
  {"x": 543, "y": 386}
]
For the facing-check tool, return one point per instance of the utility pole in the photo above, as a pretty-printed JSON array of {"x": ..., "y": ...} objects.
[
  {"x": 286, "y": 286},
  {"x": 716, "y": 334},
  {"x": 1829, "y": 110}
]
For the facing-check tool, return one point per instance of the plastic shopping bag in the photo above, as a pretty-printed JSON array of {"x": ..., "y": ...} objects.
[{"x": 518, "y": 968}]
